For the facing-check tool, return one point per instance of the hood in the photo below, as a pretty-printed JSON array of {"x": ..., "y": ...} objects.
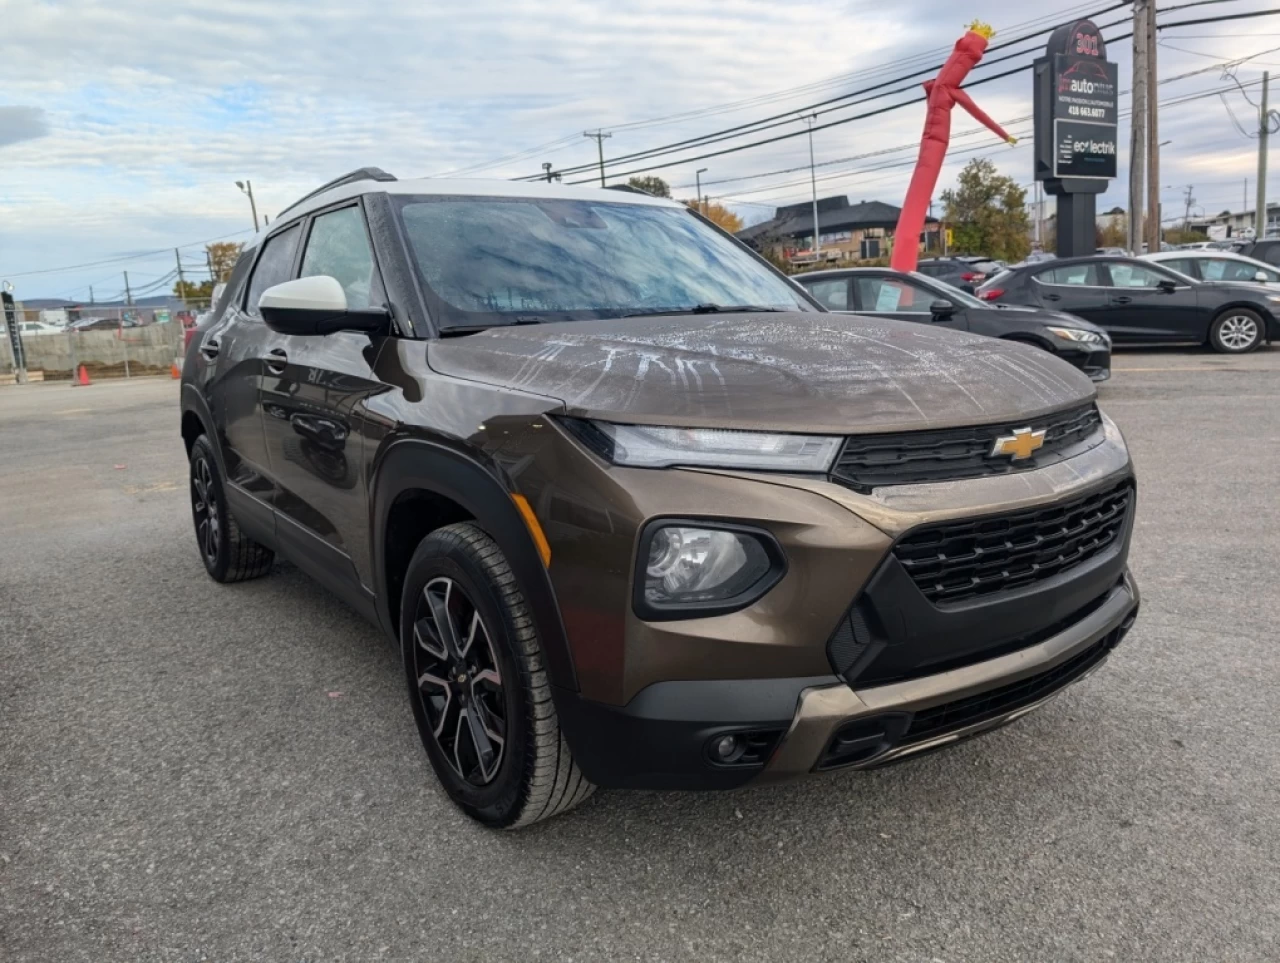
[{"x": 799, "y": 372}]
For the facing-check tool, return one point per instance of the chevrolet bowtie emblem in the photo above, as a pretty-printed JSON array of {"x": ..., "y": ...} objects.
[{"x": 1023, "y": 443}]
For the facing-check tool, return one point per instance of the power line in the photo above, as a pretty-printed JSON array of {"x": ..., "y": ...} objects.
[
  {"x": 123, "y": 258},
  {"x": 897, "y": 106},
  {"x": 789, "y": 115}
]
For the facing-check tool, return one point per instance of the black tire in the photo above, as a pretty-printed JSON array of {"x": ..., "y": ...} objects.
[
  {"x": 229, "y": 555},
  {"x": 1237, "y": 331},
  {"x": 504, "y": 761}
]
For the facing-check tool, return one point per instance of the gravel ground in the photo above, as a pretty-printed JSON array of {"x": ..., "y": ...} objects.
[{"x": 192, "y": 772}]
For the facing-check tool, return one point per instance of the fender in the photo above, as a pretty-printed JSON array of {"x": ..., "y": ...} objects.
[
  {"x": 413, "y": 463},
  {"x": 193, "y": 401}
]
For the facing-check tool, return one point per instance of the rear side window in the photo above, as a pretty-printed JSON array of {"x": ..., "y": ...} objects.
[
  {"x": 339, "y": 247},
  {"x": 274, "y": 265},
  {"x": 833, "y": 294},
  {"x": 1077, "y": 274},
  {"x": 1225, "y": 269},
  {"x": 1270, "y": 253}
]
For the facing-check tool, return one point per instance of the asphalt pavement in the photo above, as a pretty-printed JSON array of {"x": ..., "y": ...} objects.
[{"x": 192, "y": 772}]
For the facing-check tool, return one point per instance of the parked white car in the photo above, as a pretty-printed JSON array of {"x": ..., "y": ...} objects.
[
  {"x": 30, "y": 328},
  {"x": 1210, "y": 265}
]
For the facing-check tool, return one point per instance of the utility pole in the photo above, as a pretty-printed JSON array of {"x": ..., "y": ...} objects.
[
  {"x": 208, "y": 259},
  {"x": 697, "y": 176},
  {"x": 90, "y": 295},
  {"x": 128, "y": 295},
  {"x": 1153, "y": 136},
  {"x": 182, "y": 282},
  {"x": 598, "y": 137},
  {"x": 1260, "y": 218},
  {"x": 1138, "y": 127},
  {"x": 246, "y": 187},
  {"x": 810, "y": 120},
  {"x": 546, "y": 170},
  {"x": 1186, "y": 218}
]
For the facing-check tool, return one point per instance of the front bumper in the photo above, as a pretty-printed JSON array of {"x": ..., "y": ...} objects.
[
  {"x": 1093, "y": 360},
  {"x": 663, "y": 739}
]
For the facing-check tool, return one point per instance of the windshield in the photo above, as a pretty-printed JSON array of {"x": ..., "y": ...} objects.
[{"x": 500, "y": 260}]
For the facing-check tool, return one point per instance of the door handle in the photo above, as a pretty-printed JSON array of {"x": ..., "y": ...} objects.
[
  {"x": 1122, "y": 299},
  {"x": 1052, "y": 297},
  {"x": 276, "y": 360},
  {"x": 209, "y": 348}
]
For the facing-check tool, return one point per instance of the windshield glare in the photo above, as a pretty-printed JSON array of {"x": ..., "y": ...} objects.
[{"x": 496, "y": 260}]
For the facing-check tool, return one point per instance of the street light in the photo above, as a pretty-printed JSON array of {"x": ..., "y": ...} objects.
[
  {"x": 246, "y": 187},
  {"x": 697, "y": 176}
]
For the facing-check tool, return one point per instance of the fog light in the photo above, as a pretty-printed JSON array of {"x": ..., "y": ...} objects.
[
  {"x": 726, "y": 747},
  {"x": 687, "y": 564}
]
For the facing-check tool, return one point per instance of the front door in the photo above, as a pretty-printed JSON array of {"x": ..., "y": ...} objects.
[
  {"x": 1078, "y": 289},
  {"x": 888, "y": 296},
  {"x": 1141, "y": 310},
  {"x": 311, "y": 403},
  {"x": 234, "y": 349}
]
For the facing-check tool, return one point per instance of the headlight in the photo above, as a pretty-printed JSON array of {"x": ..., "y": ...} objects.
[
  {"x": 689, "y": 571},
  {"x": 644, "y": 446},
  {"x": 1078, "y": 334}
]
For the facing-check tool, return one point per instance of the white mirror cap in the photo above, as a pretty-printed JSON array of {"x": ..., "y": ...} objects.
[{"x": 317, "y": 293}]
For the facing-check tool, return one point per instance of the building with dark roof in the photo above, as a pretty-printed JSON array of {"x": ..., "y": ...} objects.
[{"x": 849, "y": 232}]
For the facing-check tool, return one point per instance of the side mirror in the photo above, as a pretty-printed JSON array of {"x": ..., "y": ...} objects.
[
  {"x": 1261, "y": 276},
  {"x": 1167, "y": 286},
  {"x": 316, "y": 306},
  {"x": 942, "y": 309}
]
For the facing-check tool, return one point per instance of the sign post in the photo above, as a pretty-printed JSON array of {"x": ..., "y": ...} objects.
[
  {"x": 15, "y": 337},
  {"x": 1075, "y": 130}
]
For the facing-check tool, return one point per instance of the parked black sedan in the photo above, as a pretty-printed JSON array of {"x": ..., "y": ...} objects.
[
  {"x": 914, "y": 297},
  {"x": 1141, "y": 301}
]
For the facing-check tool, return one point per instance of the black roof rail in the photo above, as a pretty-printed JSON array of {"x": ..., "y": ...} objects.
[{"x": 363, "y": 174}]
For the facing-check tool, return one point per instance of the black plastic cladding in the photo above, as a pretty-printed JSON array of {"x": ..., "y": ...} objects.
[{"x": 867, "y": 461}]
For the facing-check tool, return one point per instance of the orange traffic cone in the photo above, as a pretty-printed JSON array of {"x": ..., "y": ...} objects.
[
  {"x": 174, "y": 373},
  {"x": 84, "y": 377}
]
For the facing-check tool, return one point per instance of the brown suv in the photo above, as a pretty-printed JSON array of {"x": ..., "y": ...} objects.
[{"x": 637, "y": 510}]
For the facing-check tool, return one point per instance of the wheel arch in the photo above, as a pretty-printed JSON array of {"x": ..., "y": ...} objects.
[
  {"x": 419, "y": 486},
  {"x": 197, "y": 420}
]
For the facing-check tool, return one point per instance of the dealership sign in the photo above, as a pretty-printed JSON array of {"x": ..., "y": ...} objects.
[{"x": 1076, "y": 116}]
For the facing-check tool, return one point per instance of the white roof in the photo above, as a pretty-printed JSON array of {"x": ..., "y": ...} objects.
[{"x": 471, "y": 187}]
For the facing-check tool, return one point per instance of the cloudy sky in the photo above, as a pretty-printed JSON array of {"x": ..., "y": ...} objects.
[{"x": 124, "y": 125}]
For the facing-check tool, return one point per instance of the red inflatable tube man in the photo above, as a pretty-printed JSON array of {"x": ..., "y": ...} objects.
[{"x": 943, "y": 93}]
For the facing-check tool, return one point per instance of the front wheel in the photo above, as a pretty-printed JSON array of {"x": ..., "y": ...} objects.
[
  {"x": 478, "y": 684},
  {"x": 1236, "y": 331}
]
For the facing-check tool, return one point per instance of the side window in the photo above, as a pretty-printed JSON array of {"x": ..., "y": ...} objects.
[
  {"x": 1075, "y": 274},
  {"x": 1188, "y": 266},
  {"x": 890, "y": 296},
  {"x": 833, "y": 294},
  {"x": 1270, "y": 254},
  {"x": 339, "y": 247},
  {"x": 273, "y": 267},
  {"x": 1125, "y": 274},
  {"x": 1223, "y": 269}
]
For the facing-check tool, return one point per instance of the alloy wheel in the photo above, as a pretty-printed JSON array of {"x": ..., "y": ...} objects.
[
  {"x": 459, "y": 680},
  {"x": 1238, "y": 332},
  {"x": 205, "y": 507}
]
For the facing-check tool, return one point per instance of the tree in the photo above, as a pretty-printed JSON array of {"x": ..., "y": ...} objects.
[
  {"x": 651, "y": 185},
  {"x": 191, "y": 291},
  {"x": 222, "y": 258},
  {"x": 719, "y": 215},
  {"x": 987, "y": 213},
  {"x": 1115, "y": 233}
]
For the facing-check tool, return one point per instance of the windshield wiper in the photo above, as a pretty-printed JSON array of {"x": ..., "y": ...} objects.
[
  {"x": 460, "y": 329},
  {"x": 705, "y": 309}
]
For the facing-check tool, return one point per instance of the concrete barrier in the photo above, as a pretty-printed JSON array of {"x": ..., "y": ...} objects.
[{"x": 146, "y": 350}]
